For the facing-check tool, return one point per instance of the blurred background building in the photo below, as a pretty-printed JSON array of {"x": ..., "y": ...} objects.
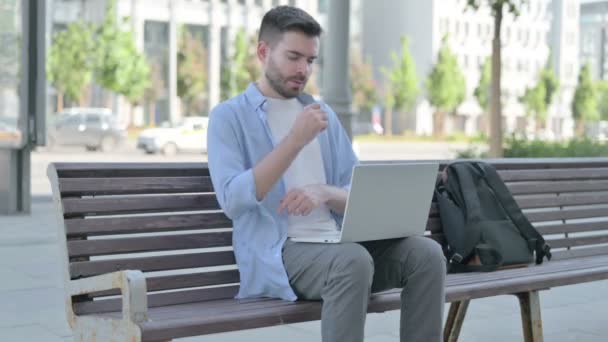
[
  {"x": 545, "y": 34},
  {"x": 544, "y": 27}
]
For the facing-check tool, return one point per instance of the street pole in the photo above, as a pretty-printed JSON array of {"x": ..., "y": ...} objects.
[{"x": 336, "y": 84}]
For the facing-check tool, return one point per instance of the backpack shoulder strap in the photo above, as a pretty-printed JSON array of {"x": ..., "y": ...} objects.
[{"x": 536, "y": 240}]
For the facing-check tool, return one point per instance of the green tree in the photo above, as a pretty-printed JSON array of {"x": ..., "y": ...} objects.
[
  {"x": 534, "y": 100},
  {"x": 402, "y": 89},
  {"x": 549, "y": 81},
  {"x": 584, "y": 103},
  {"x": 446, "y": 86},
  {"x": 69, "y": 65},
  {"x": 243, "y": 67},
  {"x": 192, "y": 73},
  {"x": 498, "y": 8},
  {"x": 482, "y": 91},
  {"x": 602, "y": 99},
  {"x": 363, "y": 86},
  {"x": 121, "y": 68}
]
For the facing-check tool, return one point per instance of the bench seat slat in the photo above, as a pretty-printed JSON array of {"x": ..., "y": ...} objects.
[
  {"x": 132, "y": 205},
  {"x": 80, "y": 269},
  {"x": 545, "y": 268},
  {"x": 133, "y": 185},
  {"x": 80, "y": 248},
  {"x": 145, "y": 224}
]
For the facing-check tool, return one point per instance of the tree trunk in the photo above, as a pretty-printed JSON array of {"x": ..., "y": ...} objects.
[
  {"x": 152, "y": 113},
  {"x": 59, "y": 101},
  {"x": 580, "y": 128},
  {"x": 439, "y": 124},
  {"x": 495, "y": 101},
  {"x": 388, "y": 122}
]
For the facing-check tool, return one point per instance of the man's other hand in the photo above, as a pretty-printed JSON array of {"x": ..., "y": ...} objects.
[{"x": 302, "y": 201}]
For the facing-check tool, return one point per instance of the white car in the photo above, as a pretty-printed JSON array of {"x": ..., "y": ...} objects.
[{"x": 188, "y": 136}]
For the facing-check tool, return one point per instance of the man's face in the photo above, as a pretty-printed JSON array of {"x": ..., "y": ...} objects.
[{"x": 288, "y": 64}]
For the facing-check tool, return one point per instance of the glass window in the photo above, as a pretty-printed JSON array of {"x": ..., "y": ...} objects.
[
  {"x": 10, "y": 65},
  {"x": 69, "y": 120},
  {"x": 93, "y": 119}
]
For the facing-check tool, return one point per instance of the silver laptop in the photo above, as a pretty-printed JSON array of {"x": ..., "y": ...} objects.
[{"x": 385, "y": 201}]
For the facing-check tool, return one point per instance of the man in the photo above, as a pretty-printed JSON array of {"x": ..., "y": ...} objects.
[{"x": 281, "y": 166}]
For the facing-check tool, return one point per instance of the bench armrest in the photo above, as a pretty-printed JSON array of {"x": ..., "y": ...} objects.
[{"x": 133, "y": 289}]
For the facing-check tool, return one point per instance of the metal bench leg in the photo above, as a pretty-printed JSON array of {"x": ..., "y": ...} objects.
[
  {"x": 529, "y": 303},
  {"x": 458, "y": 310}
]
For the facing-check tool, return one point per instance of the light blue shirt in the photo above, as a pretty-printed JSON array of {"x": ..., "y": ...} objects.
[{"x": 237, "y": 139}]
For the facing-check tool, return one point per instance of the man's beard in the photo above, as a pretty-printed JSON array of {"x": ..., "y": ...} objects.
[{"x": 278, "y": 81}]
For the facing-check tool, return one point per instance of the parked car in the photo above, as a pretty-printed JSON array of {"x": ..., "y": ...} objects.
[
  {"x": 190, "y": 135},
  {"x": 93, "y": 128}
]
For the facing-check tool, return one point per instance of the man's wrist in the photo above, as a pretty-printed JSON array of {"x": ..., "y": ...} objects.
[{"x": 293, "y": 143}]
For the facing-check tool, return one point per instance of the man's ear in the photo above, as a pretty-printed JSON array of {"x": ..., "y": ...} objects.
[{"x": 263, "y": 50}]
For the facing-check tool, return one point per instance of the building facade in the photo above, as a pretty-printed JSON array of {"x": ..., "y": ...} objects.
[{"x": 594, "y": 37}]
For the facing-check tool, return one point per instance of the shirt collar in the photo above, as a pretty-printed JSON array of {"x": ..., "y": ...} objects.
[{"x": 258, "y": 99}]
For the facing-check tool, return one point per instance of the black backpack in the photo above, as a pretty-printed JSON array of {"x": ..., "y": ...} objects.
[{"x": 484, "y": 227}]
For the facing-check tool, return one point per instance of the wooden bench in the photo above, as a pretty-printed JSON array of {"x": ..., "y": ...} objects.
[{"x": 148, "y": 255}]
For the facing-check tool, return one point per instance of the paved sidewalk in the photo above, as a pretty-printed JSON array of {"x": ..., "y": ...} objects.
[{"x": 32, "y": 306}]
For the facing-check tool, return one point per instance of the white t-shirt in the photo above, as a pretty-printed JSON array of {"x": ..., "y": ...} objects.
[{"x": 307, "y": 168}]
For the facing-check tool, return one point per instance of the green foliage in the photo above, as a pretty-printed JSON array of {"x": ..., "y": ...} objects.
[
  {"x": 192, "y": 73},
  {"x": 550, "y": 81},
  {"x": 402, "y": 89},
  {"x": 522, "y": 148},
  {"x": 121, "y": 68},
  {"x": 70, "y": 63},
  {"x": 602, "y": 99},
  {"x": 534, "y": 101},
  {"x": 482, "y": 92},
  {"x": 363, "y": 86},
  {"x": 471, "y": 152},
  {"x": 584, "y": 103},
  {"x": 446, "y": 84},
  {"x": 242, "y": 67}
]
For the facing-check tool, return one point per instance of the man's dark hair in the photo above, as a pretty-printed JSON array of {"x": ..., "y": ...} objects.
[{"x": 283, "y": 19}]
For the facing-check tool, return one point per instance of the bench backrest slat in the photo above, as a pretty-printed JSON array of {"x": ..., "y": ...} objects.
[
  {"x": 184, "y": 281},
  {"x": 153, "y": 263},
  {"x": 542, "y": 187},
  {"x": 135, "y": 185},
  {"x": 164, "y": 219},
  {"x": 146, "y": 224},
  {"x": 80, "y": 248},
  {"x": 116, "y": 205},
  {"x": 160, "y": 299}
]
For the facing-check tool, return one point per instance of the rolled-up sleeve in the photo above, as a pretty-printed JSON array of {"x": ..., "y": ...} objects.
[{"x": 232, "y": 180}]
